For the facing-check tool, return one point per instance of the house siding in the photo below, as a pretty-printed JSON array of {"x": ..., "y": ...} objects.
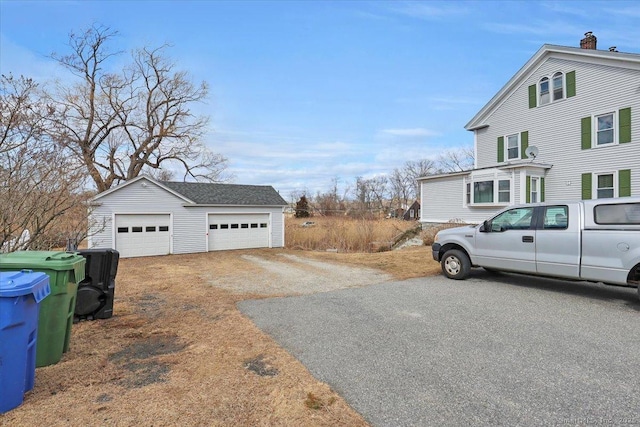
[
  {"x": 555, "y": 128},
  {"x": 189, "y": 223},
  {"x": 442, "y": 200}
]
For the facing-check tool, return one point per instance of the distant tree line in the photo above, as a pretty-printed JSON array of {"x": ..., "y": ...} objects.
[{"x": 380, "y": 195}]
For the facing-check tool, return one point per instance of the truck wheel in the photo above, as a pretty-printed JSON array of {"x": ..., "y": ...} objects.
[{"x": 455, "y": 264}]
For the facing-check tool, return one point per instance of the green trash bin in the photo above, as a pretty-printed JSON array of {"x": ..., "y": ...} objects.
[{"x": 65, "y": 271}]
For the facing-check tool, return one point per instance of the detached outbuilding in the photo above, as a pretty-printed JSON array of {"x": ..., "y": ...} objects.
[{"x": 145, "y": 217}]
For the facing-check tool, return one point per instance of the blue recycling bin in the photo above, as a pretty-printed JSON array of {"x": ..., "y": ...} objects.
[{"x": 20, "y": 296}]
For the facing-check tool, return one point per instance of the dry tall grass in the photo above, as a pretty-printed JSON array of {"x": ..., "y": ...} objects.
[{"x": 344, "y": 234}]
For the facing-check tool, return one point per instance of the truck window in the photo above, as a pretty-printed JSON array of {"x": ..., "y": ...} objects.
[
  {"x": 513, "y": 219},
  {"x": 621, "y": 213},
  {"x": 555, "y": 218}
]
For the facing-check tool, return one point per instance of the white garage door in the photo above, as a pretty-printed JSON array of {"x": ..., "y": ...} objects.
[
  {"x": 240, "y": 231},
  {"x": 143, "y": 235}
]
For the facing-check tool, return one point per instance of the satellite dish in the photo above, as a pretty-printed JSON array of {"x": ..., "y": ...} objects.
[{"x": 531, "y": 152}]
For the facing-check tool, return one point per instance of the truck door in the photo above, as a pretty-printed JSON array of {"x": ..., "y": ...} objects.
[
  {"x": 508, "y": 241},
  {"x": 558, "y": 241}
]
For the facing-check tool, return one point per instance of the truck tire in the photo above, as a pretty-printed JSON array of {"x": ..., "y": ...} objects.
[{"x": 455, "y": 264}]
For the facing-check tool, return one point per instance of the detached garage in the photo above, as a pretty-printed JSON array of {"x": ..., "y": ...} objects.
[{"x": 145, "y": 217}]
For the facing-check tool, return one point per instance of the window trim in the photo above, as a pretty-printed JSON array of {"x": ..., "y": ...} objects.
[
  {"x": 594, "y": 129},
  {"x": 595, "y": 188},
  {"x": 550, "y": 91},
  {"x": 469, "y": 196},
  {"x": 518, "y": 146},
  {"x": 534, "y": 188}
]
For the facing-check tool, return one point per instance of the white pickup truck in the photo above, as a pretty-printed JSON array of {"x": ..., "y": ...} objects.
[{"x": 593, "y": 240}]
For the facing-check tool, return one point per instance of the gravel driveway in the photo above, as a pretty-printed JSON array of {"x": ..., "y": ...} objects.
[
  {"x": 294, "y": 275},
  {"x": 490, "y": 350}
]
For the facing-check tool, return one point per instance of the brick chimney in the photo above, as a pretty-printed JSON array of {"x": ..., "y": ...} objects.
[{"x": 589, "y": 41}]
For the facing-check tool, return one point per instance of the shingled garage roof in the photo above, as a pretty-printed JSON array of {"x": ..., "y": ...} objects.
[{"x": 227, "y": 194}]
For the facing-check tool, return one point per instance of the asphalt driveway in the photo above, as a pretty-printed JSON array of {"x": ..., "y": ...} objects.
[{"x": 490, "y": 350}]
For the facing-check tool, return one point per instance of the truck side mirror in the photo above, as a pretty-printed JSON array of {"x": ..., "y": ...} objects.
[{"x": 486, "y": 227}]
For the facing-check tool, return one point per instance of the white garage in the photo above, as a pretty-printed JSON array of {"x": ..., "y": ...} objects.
[
  {"x": 142, "y": 234},
  {"x": 238, "y": 231},
  {"x": 145, "y": 217}
]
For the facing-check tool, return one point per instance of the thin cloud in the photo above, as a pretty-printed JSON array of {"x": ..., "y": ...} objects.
[
  {"x": 430, "y": 10},
  {"x": 411, "y": 132}
]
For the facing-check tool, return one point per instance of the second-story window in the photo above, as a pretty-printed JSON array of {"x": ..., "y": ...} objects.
[{"x": 513, "y": 147}]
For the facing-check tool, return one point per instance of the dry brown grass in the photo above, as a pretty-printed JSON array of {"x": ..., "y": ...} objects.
[
  {"x": 178, "y": 352},
  {"x": 344, "y": 234}
]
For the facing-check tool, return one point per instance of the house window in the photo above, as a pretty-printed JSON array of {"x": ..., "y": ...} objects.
[
  {"x": 551, "y": 90},
  {"x": 544, "y": 91},
  {"x": 483, "y": 192},
  {"x": 497, "y": 191},
  {"x": 605, "y": 185},
  {"x": 504, "y": 191},
  {"x": 558, "y": 86},
  {"x": 513, "y": 147},
  {"x": 535, "y": 189},
  {"x": 605, "y": 129}
]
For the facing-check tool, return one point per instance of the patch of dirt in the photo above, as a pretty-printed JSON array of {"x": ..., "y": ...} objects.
[{"x": 178, "y": 352}]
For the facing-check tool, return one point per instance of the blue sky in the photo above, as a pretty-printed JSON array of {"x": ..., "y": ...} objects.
[{"x": 303, "y": 92}]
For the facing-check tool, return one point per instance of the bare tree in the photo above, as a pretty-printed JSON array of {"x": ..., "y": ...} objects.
[
  {"x": 416, "y": 169},
  {"x": 456, "y": 160},
  {"x": 38, "y": 183},
  {"x": 328, "y": 203},
  {"x": 120, "y": 124}
]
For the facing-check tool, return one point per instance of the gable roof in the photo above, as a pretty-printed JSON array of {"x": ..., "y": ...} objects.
[
  {"x": 227, "y": 194},
  {"x": 199, "y": 193},
  {"x": 619, "y": 59}
]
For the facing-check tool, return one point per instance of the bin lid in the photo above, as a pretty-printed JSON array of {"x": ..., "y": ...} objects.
[
  {"x": 25, "y": 282},
  {"x": 44, "y": 260}
]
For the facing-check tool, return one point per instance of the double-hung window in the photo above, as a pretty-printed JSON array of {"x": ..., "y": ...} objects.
[
  {"x": 513, "y": 147},
  {"x": 544, "y": 91},
  {"x": 535, "y": 189},
  {"x": 558, "y": 86},
  {"x": 605, "y": 185},
  {"x": 605, "y": 129}
]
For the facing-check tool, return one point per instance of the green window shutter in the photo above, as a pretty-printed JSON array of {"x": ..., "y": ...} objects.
[
  {"x": 571, "y": 84},
  {"x": 533, "y": 95},
  {"x": 528, "y": 186},
  {"x": 542, "y": 189},
  {"x": 624, "y": 120},
  {"x": 586, "y": 132},
  {"x": 624, "y": 183},
  {"x": 524, "y": 143},
  {"x": 586, "y": 186},
  {"x": 500, "y": 149}
]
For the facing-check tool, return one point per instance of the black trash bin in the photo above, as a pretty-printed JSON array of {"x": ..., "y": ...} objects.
[{"x": 96, "y": 291}]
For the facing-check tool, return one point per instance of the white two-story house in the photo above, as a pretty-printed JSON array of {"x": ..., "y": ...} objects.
[{"x": 566, "y": 126}]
